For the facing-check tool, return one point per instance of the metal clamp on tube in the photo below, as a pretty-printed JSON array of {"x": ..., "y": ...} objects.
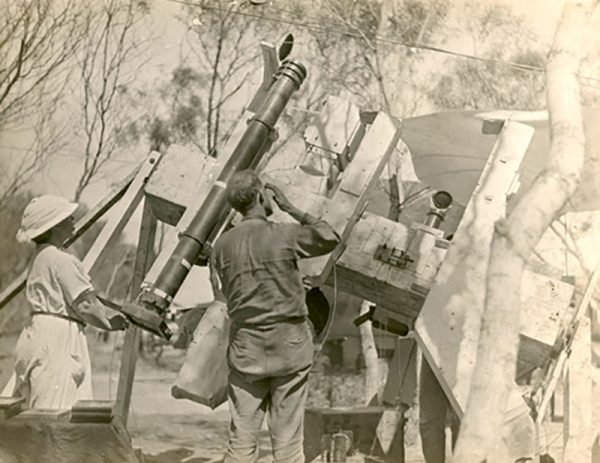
[{"x": 214, "y": 209}]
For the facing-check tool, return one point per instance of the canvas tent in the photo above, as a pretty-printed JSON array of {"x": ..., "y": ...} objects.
[{"x": 449, "y": 150}]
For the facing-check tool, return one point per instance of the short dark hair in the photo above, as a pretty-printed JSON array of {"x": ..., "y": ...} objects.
[
  {"x": 43, "y": 238},
  {"x": 242, "y": 189}
]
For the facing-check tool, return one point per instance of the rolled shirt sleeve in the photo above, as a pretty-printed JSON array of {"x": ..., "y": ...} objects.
[
  {"x": 314, "y": 237},
  {"x": 72, "y": 277}
]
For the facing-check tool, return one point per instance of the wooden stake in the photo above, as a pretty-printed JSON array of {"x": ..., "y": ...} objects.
[
  {"x": 144, "y": 257},
  {"x": 578, "y": 398}
]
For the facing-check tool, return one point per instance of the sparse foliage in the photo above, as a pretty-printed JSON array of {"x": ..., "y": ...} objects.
[
  {"x": 203, "y": 94},
  {"x": 376, "y": 31},
  {"x": 485, "y": 85},
  {"x": 15, "y": 259},
  {"x": 38, "y": 38},
  {"x": 105, "y": 67}
]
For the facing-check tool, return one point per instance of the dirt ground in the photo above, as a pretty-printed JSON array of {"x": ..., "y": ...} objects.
[{"x": 168, "y": 430}]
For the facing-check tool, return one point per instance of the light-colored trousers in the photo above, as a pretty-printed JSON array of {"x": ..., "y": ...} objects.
[
  {"x": 282, "y": 399},
  {"x": 52, "y": 367}
]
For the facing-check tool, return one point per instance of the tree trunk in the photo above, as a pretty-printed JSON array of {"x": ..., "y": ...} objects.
[
  {"x": 516, "y": 236},
  {"x": 369, "y": 351}
]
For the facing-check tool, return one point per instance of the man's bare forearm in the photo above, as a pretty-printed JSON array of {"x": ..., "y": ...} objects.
[{"x": 300, "y": 216}]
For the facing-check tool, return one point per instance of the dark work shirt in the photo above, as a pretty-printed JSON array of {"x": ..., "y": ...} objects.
[{"x": 257, "y": 265}]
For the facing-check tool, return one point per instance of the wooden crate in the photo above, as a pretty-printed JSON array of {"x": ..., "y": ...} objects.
[{"x": 362, "y": 422}]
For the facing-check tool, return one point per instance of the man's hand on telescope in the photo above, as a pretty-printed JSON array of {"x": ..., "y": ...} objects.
[
  {"x": 119, "y": 322},
  {"x": 282, "y": 202}
]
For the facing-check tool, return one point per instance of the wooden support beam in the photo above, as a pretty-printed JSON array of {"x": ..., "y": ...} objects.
[
  {"x": 121, "y": 214},
  {"x": 172, "y": 188},
  {"x": 448, "y": 325},
  {"x": 349, "y": 201},
  {"x": 82, "y": 225},
  {"x": 578, "y": 398},
  {"x": 401, "y": 382},
  {"x": 144, "y": 256}
]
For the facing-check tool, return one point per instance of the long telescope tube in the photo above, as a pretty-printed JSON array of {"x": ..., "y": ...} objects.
[{"x": 246, "y": 155}]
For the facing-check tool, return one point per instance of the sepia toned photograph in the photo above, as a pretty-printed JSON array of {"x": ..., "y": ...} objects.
[{"x": 299, "y": 231}]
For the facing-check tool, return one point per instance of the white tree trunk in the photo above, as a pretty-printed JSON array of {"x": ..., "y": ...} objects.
[
  {"x": 369, "y": 351},
  {"x": 516, "y": 236}
]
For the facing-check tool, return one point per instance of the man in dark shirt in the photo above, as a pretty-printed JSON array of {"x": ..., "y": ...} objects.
[{"x": 254, "y": 269}]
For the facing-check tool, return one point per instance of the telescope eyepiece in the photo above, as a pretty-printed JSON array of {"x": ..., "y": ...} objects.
[
  {"x": 442, "y": 200},
  {"x": 294, "y": 70}
]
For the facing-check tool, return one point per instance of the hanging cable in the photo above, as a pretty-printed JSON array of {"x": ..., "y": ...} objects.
[{"x": 413, "y": 45}]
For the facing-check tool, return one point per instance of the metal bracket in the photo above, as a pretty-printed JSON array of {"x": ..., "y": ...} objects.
[{"x": 392, "y": 256}]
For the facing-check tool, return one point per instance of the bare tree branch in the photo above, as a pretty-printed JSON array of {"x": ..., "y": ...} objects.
[
  {"x": 47, "y": 35},
  {"x": 110, "y": 46}
]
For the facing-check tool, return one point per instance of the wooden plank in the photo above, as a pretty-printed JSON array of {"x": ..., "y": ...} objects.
[
  {"x": 185, "y": 176},
  {"x": 366, "y": 166},
  {"x": 171, "y": 188},
  {"x": 578, "y": 397},
  {"x": 448, "y": 325},
  {"x": 82, "y": 225},
  {"x": 401, "y": 382},
  {"x": 143, "y": 259},
  {"x": 348, "y": 202},
  {"x": 121, "y": 215},
  {"x": 337, "y": 122},
  {"x": 544, "y": 303}
]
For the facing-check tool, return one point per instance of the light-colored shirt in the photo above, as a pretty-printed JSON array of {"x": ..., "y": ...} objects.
[{"x": 55, "y": 280}]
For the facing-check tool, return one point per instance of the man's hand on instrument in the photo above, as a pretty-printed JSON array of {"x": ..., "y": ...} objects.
[
  {"x": 119, "y": 322},
  {"x": 282, "y": 202}
]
